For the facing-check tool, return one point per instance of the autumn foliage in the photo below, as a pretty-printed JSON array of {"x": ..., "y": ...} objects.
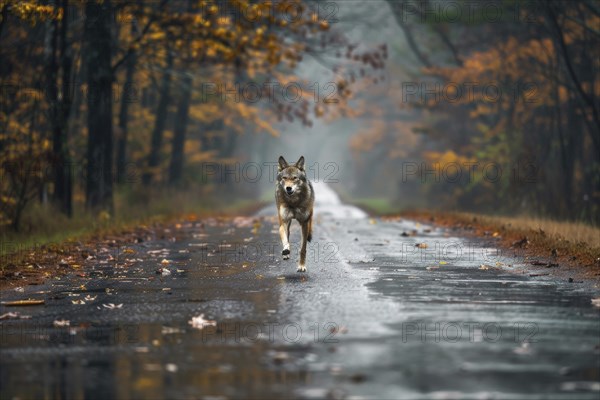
[{"x": 101, "y": 95}]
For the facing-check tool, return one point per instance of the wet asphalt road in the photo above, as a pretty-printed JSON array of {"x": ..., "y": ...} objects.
[{"x": 374, "y": 317}]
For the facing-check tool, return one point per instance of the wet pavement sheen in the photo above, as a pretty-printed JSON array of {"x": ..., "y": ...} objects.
[{"x": 378, "y": 315}]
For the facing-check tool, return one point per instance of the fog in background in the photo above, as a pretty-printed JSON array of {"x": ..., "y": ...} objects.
[{"x": 326, "y": 145}]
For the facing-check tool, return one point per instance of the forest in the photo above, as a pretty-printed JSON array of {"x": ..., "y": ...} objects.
[{"x": 484, "y": 106}]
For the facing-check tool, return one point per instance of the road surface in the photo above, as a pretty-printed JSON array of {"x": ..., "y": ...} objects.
[{"x": 388, "y": 309}]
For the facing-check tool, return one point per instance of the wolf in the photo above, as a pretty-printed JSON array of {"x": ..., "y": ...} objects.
[{"x": 294, "y": 197}]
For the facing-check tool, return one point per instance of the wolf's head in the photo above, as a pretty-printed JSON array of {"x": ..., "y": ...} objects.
[{"x": 292, "y": 177}]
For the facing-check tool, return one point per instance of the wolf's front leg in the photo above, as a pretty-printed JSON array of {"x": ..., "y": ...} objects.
[
  {"x": 284, "y": 234},
  {"x": 302, "y": 264}
]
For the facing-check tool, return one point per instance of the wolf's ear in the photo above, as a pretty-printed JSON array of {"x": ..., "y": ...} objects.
[
  {"x": 282, "y": 163},
  {"x": 300, "y": 163}
]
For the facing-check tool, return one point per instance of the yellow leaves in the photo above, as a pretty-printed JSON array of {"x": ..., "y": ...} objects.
[
  {"x": 447, "y": 158},
  {"x": 211, "y": 52},
  {"x": 156, "y": 36},
  {"x": 32, "y": 11},
  {"x": 223, "y": 21}
]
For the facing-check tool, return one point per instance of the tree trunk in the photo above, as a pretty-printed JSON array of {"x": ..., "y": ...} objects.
[
  {"x": 177, "y": 154},
  {"x": 97, "y": 29},
  {"x": 64, "y": 176},
  {"x": 160, "y": 122},
  {"x": 54, "y": 111},
  {"x": 128, "y": 89}
]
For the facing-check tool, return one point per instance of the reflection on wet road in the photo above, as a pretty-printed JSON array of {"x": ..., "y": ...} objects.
[{"x": 388, "y": 309}]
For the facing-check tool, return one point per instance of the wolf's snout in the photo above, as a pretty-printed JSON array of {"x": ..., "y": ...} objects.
[{"x": 289, "y": 190}]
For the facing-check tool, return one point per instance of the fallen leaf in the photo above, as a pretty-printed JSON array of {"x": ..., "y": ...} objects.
[
  {"x": 112, "y": 306},
  {"x": 165, "y": 262},
  {"x": 90, "y": 298},
  {"x": 14, "y": 315},
  {"x": 280, "y": 357},
  {"x": 167, "y": 330},
  {"x": 200, "y": 322},
  {"x": 28, "y": 302},
  {"x": 171, "y": 367},
  {"x": 421, "y": 245},
  {"x": 596, "y": 302},
  {"x": 523, "y": 349},
  {"x": 358, "y": 378},
  {"x": 79, "y": 302},
  {"x": 61, "y": 323}
]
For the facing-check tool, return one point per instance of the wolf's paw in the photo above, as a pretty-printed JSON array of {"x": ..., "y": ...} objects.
[
  {"x": 286, "y": 254},
  {"x": 309, "y": 238},
  {"x": 301, "y": 268}
]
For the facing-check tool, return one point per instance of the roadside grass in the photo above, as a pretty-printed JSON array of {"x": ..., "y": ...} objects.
[
  {"x": 574, "y": 232},
  {"x": 374, "y": 205},
  {"x": 43, "y": 224}
]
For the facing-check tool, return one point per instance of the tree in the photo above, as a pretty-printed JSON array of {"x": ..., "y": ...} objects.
[{"x": 98, "y": 36}]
